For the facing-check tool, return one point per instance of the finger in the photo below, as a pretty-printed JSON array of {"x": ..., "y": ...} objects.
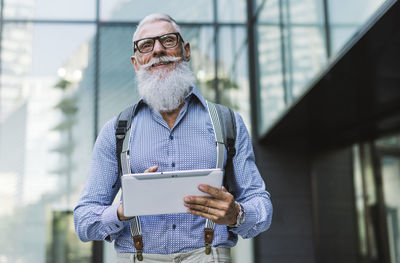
[
  {"x": 202, "y": 214},
  {"x": 214, "y": 192},
  {"x": 151, "y": 169},
  {"x": 199, "y": 200},
  {"x": 224, "y": 189},
  {"x": 205, "y": 209},
  {"x": 203, "y": 203}
]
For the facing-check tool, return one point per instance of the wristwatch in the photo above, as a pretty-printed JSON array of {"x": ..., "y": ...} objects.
[{"x": 240, "y": 217}]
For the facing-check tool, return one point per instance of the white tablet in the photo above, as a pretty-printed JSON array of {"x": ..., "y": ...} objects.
[{"x": 163, "y": 192}]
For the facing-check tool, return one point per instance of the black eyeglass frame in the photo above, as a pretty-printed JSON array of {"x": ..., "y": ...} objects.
[{"x": 136, "y": 47}]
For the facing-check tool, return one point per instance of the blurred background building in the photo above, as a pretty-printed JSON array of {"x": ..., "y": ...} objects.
[{"x": 316, "y": 81}]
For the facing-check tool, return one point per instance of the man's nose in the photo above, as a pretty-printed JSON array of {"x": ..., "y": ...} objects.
[{"x": 158, "y": 48}]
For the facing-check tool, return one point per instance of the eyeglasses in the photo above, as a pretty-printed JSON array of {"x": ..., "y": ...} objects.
[{"x": 146, "y": 45}]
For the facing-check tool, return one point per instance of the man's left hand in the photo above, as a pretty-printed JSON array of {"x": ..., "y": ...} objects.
[{"x": 220, "y": 208}]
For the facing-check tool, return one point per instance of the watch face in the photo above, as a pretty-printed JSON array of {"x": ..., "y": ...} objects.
[{"x": 241, "y": 218}]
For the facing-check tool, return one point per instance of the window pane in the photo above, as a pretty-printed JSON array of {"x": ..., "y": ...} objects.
[
  {"x": 344, "y": 22},
  {"x": 134, "y": 10},
  {"x": 304, "y": 11},
  {"x": 269, "y": 11},
  {"x": 46, "y": 135},
  {"x": 340, "y": 35},
  {"x": 271, "y": 78},
  {"x": 305, "y": 56},
  {"x": 391, "y": 186},
  {"x": 50, "y": 9},
  {"x": 355, "y": 11},
  {"x": 232, "y": 11},
  {"x": 116, "y": 73},
  {"x": 233, "y": 80},
  {"x": 202, "y": 60}
]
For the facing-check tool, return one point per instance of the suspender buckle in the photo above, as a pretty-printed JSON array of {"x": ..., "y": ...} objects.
[
  {"x": 208, "y": 249},
  {"x": 139, "y": 255}
]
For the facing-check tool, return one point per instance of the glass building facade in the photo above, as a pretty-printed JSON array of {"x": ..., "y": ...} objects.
[{"x": 65, "y": 70}]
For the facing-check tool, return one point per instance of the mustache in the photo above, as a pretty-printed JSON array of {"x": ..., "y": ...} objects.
[{"x": 164, "y": 59}]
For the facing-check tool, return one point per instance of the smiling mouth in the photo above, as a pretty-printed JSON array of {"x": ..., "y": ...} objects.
[{"x": 161, "y": 64}]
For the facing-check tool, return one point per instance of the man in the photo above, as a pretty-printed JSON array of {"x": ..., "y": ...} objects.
[{"x": 171, "y": 130}]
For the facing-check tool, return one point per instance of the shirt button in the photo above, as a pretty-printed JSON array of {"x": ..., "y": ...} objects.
[
  {"x": 171, "y": 137},
  {"x": 173, "y": 226},
  {"x": 173, "y": 164}
]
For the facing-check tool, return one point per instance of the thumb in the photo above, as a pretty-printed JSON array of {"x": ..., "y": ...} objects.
[{"x": 151, "y": 169}]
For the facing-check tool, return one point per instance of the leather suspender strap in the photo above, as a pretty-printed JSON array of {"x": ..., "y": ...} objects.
[
  {"x": 122, "y": 135},
  {"x": 136, "y": 232}
]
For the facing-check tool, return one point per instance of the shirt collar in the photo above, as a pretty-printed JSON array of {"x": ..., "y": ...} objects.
[{"x": 194, "y": 93}]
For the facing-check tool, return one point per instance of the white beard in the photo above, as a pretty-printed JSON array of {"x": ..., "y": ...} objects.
[{"x": 165, "y": 89}]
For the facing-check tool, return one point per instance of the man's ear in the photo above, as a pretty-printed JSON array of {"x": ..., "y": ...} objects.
[
  {"x": 134, "y": 63},
  {"x": 186, "y": 46}
]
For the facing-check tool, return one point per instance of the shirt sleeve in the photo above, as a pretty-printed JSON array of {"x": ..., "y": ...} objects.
[
  {"x": 251, "y": 192},
  {"x": 95, "y": 217}
]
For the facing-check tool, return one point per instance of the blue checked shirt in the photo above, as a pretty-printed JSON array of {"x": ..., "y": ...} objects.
[{"x": 190, "y": 144}]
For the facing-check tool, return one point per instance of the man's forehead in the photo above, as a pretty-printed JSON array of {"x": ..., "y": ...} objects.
[{"x": 155, "y": 28}]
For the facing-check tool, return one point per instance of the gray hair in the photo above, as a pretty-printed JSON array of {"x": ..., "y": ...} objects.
[{"x": 155, "y": 17}]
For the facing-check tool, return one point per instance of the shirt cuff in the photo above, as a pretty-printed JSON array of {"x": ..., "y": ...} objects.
[
  {"x": 111, "y": 222},
  {"x": 249, "y": 221}
]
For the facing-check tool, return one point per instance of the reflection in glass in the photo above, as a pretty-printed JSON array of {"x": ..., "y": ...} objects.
[
  {"x": 232, "y": 11},
  {"x": 202, "y": 57},
  {"x": 135, "y": 10},
  {"x": 233, "y": 80},
  {"x": 45, "y": 132},
  {"x": 304, "y": 11},
  {"x": 344, "y": 22},
  {"x": 390, "y": 167},
  {"x": 305, "y": 56},
  {"x": 304, "y": 43},
  {"x": 63, "y": 245},
  {"x": 117, "y": 86},
  {"x": 271, "y": 77},
  {"x": 340, "y": 35},
  {"x": 269, "y": 11},
  {"x": 49, "y": 9},
  {"x": 391, "y": 186},
  {"x": 367, "y": 203},
  {"x": 352, "y": 12}
]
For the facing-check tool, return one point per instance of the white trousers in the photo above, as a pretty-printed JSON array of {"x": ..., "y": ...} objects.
[{"x": 217, "y": 255}]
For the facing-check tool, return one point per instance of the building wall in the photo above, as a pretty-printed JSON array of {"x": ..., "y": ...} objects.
[
  {"x": 287, "y": 177},
  {"x": 335, "y": 228},
  {"x": 314, "y": 213}
]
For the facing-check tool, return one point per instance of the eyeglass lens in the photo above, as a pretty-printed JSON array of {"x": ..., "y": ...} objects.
[{"x": 167, "y": 41}]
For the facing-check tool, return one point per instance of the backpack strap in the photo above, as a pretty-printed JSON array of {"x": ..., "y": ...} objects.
[
  {"x": 122, "y": 137},
  {"x": 123, "y": 131},
  {"x": 224, "y": 124},
  {"x": 228, "y": 125}
]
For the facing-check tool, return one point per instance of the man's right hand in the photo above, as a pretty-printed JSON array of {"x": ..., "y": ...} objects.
[{"x": 120, "y": 212}]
